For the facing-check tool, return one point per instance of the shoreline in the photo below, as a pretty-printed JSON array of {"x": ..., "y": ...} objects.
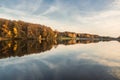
[{"x": 64, "y": 38}]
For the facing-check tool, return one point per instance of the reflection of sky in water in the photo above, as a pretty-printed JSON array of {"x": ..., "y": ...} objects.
[{"x": 99, "y": 61}]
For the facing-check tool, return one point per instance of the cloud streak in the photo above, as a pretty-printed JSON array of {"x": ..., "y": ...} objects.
[{"x": 99, "y": 17}]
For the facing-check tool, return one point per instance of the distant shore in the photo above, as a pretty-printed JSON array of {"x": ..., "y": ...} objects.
[
  {"x": 20, "y": 30},
  {"x": 68, "y": 38}
]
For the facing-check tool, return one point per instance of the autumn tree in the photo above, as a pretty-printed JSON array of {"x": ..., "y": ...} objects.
[{"x": 24, "y": 30}]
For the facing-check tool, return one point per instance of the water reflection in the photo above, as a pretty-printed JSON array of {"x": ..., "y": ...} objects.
[
  {"x": 21, "y": 48},
  {"x": 99, "y": 61}
]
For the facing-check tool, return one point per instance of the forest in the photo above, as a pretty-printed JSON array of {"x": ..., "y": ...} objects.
[
  {"x": 20, "y": 30},
  {"x": 23, "y": 30}
]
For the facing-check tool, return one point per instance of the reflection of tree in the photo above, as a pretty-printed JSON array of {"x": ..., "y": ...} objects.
[
  {"x": 21, "y": 48},
  {"x": 118, "y": 39},
  {"x": 73, "y": 41},
  {"x": 26, "y": 47}
]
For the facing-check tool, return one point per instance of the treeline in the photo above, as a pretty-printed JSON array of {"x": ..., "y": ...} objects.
[
  {"x": 76, "y": 35},
  {"x": 11, "y": 29},
  {"x": 84, "y": 36},
  {"x": 23, "y": 30}
]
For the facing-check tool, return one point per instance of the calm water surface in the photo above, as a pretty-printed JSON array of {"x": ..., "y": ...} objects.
[{"x": 94, "y": 61}]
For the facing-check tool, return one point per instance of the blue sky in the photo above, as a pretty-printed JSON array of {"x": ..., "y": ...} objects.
[{"x": 85, "y": 16}]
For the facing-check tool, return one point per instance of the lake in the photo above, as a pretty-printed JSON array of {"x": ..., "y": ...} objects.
[{"x": 59, "y": 60}]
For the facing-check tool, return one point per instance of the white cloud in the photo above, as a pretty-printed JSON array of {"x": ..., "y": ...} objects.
[
  {"x": 104, "y": 22},
  {"x": 50, "y": 10}
]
